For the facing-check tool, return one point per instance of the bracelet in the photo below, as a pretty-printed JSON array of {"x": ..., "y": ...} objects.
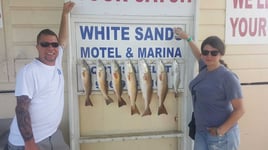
[{"x": 189, "y": 39}]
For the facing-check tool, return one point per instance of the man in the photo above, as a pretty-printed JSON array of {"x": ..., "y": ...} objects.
[{"x": 40, "y": 94}]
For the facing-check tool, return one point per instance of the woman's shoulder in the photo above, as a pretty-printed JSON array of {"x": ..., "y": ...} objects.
[{"x": 229, "y": 76}]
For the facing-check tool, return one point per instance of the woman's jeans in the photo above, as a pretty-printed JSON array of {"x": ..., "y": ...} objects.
[{"x": 229, "y": 141}]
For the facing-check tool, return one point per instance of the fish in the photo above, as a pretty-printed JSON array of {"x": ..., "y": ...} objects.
[
  {"x": 131, "y": 83},
  {"x": 145, "y": 85},
  {"x": 162, "y": 87},
  {"x": 117, "y": 83},
  {"x": 102, "y": 82},
  {"x": 176, "y": 77},
  {"x": 87, "y": 84}
]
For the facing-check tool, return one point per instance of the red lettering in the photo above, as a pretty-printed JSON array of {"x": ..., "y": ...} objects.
[
  {"x": 253, "y": 26},
  {"x": 247, "y": 5},
  {"x": 162, "y": 1},
  {"x": 240, "y": 4},
  {"x": 115, "y": 0},
  {"x": 262, "y": 26},
  {"x": 243, "y": 27},
  {"x": 263, "y": 5},
  {"x": 248, "y": 26},
  {"x": 233, "y": 24}
]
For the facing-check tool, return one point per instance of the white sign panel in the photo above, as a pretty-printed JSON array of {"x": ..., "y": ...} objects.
[
  {"x": 134, "y": 7},
  {"x": 246, "y": 22},
  {"x": 1, "y": 16},
  {"x": 121, "y": 42},
  {"x": 126, "y": 41}
]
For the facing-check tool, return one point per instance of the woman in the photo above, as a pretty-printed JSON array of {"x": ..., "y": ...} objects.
[{"x": 217, "y": 97}]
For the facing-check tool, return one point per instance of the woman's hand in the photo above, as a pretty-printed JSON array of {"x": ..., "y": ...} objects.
[{"x": 180, "y": 33}]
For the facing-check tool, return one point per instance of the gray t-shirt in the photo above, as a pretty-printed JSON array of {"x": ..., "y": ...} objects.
[{"x": 212, "y": 93}]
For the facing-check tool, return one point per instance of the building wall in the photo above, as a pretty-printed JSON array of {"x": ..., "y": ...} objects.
[{"x": 24, "y": 19}]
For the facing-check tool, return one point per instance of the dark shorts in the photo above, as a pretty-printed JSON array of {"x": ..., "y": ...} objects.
[{"x": 53, "y": 142}]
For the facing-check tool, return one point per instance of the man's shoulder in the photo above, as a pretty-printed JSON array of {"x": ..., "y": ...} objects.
[{"x": 29, "y": 67}]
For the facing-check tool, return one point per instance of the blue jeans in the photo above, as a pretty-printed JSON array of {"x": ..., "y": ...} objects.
[{"x": 229, "y": 141}]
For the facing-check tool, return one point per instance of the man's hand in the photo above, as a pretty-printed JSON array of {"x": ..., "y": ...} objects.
[{"x": 31, "y": 145}]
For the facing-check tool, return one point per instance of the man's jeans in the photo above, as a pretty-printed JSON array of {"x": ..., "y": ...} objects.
[{"x": 53, "y": 142}]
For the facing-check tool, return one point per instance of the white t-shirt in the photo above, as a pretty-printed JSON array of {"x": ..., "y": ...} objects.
[{"x": 44, "y": 85}]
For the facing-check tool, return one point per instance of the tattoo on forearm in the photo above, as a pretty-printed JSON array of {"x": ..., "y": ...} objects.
[{"x": 23, "y": 117}]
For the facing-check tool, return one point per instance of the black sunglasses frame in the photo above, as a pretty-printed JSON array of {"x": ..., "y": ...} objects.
[
  {"x": 212, "y": 53},
  {"x": 47, "y": 44}
]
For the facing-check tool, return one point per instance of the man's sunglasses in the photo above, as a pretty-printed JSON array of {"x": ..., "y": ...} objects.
[
  {"x": 46, "y": 44},
  {"x": 212, "y": 53}
]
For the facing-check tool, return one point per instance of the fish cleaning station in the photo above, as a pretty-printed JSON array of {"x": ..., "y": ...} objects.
[{"x": 129, "y": 75}]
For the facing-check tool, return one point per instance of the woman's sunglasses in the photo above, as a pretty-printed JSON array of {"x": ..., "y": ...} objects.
[
  {"x": 212, "y": 53},
  {"x": 46, "y": 44}
]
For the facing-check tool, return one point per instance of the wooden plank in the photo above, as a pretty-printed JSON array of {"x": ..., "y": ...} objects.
[
  {"x": 247, "y": 61},
  {"x": 252, "y": 75},
  {"x": 247, "y": 49},
  {"x": 208, "y": 30},
  {"x": 212, "y": 17},
  {"x": 38, "y": 16},
  {"x": 36, "y": 3},
  {"x": 130, "y": 136},
  {"x": 212, "y": 4},
  {"x": 3, "y": 71}
]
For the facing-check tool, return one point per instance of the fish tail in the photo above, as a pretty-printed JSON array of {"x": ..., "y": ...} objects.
[
  {"x": 121, "y": 102},
  {"x": 88, "y": 102},
  {"x": 147, "y": 112},
  {"x": 108, "y": 100},
  {"x": 134, "y": 110},
  {"x": 162, "y": 110},
  {"x": 176, "y": 94}
]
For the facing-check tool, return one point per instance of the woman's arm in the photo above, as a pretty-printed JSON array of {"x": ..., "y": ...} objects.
[
  {"x": 234, "y": 117},
  {"x": 195, "y": 50}
]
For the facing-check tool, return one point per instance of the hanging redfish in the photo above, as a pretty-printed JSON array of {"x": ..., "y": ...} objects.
[
  {"x": 87, "y": 84},
  {"x": 131, "y": 82},
  {"x": 162, "y": 87},
  {"x": 102, "y": 82},
  {"x": 145, "y": 85},
  {"x": 117, "y": 83},
  {"x": 176, "y": 77}
]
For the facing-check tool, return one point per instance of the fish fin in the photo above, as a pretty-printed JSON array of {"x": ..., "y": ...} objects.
[
  {"x": 147, "y": 112},
  {"x": 109, "y": 100},
  {"x": 134, "y": 110},
  {"x": 88, "y": 102},
  {"x": 121, "y": 102},
  {"x": 176, "y": 94},
  {"x": 162, "y": 110}
]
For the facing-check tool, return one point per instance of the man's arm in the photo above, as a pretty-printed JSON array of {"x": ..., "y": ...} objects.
[
  {"x": 24, "y": 121},
  {"x": 63, "y": 32}
]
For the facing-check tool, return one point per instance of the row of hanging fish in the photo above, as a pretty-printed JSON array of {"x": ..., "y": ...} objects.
[{"x": 145, "y": 83}]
